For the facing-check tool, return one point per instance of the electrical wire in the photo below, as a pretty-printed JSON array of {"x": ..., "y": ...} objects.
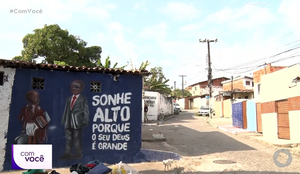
[
  {"x": 183, "y": 64},
  {"x": 275, "y": 61},
  {"x": 257, "y": 60},
  {"x": 267, "y": 3}
]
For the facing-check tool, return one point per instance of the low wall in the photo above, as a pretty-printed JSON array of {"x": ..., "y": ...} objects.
[
  {"x": 218, "y": 109},
  {"x": 227, "y": 108}
]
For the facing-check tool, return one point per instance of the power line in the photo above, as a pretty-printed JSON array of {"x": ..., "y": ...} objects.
[
  {"x": 183, "y": 64},
  {"x": 288, "y": 34},
  {"x": 267, "y": 3},
  {"x": 275, "y": 61},
  {"x": 255, "y": 61}
]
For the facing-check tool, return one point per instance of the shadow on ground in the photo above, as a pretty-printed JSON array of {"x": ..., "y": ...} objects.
[{"x": 196, "y": 140}]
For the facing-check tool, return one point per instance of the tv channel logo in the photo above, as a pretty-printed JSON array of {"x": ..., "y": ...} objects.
[{"x": 31, "y": 156}]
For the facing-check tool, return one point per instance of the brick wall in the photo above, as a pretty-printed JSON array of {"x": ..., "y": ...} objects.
[
  {"x": 237, "y": 84},
  {"x": 269, "y": 69},
  {"x": 294, "y": 103},
  {"x": 268, "y": 107}
]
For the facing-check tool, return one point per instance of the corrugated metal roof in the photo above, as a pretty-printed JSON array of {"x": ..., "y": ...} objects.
[{"x": 26, "y": 64}]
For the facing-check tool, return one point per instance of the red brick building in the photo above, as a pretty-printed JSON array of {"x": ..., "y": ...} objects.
[{"x": 240, "y": 83}]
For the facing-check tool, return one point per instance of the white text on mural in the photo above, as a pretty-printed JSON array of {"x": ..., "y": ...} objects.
[{"x": 111, "y": 127}]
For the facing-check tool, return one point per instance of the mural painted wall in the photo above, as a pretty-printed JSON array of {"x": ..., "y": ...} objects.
[{"x": 85, "y": 116}]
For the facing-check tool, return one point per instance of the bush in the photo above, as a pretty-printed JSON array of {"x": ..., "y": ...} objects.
[{"x": 196, "y": 114}]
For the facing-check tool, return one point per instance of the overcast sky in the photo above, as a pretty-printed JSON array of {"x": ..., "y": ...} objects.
[{"x": 167, "y": 33}]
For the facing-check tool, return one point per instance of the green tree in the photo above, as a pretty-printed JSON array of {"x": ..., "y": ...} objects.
[
  {"x": 55, "y": 44},
  {"x": 178, "y": 93},
  {"x": 157, "y": 81}
]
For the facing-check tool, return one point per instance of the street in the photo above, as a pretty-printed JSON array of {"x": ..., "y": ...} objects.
[{"x": 200, "y": 144}]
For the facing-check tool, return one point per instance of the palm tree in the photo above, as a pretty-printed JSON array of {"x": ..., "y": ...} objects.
[
  {"x": 157, "y": 82},
  {"x": 108, "y": 64}
]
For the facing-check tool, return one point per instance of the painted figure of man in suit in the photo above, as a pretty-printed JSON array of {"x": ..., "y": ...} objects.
[{"x": 75, "y": 117}]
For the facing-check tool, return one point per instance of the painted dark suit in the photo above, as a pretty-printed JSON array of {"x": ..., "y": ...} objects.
[{"x": 75, "y": 117}]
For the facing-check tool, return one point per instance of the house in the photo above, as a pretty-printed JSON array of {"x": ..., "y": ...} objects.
[
  {"x": 257, "y": 86},
  {"x": 200, "y": 91},
  {"x": 280, "y": 107},
  {"x": 156, "y": 103},
  {"x": 241, "y": 86},
  {"x": 106, "y": 107},
  {"x": 238, "y": 88}
]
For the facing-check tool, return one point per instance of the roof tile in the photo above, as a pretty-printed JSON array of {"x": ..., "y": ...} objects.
[{"x": 26, "y": 64}]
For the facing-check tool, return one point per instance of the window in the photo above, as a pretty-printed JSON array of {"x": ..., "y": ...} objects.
[
  {"x": 195, "y": 88},
  {"x": 38, "y": 83},
  {"x": 247, "y": 82},
  {"x": 246, "y": 97},
  {"x": 252, "y": 84},
  {"x": 95, "y": 86},
  {"x": 239, "y": 98},
  {"x": 258, "y": 89},
  {"x": 1, "y": 78}
]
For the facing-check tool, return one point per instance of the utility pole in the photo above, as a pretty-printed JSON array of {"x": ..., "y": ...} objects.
[
  {"x": 182, "y": 76},
  {"x": 175, "y": 89},
  {"x": 231, "y": 87},
  {"x": 209, "y": 71}
]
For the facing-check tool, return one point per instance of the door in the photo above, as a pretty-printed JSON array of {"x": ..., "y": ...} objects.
[
  {"x": 258, "y": 117},
  {"x": 282, "y": 109},
  {"x": 244, "y": 115}
]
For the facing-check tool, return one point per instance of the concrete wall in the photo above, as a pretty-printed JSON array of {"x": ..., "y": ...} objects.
[
  {"x": 227, "y": 108},
  {"x": 270, "y": 93},
  {"x": 218, "y": 109},
  {"x": 181, "y": 103},
  {"x": 294, "y": 125},
  {"x": 256, "y": 94},
  {"x": 155, "y": 102},
  {"x": 251, "y": 115},
  {"x": 282, "y": 79},
  {"x": 5, "y": 100},
  {"x": 198, "y": 102},
  {"x": 269, "y": 126},
  {"x": 165, "y": 104},
  {"x": 151, "y": 100},
  {"x": 257, "y": 78}
]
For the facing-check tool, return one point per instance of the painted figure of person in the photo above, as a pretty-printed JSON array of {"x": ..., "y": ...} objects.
[
  {"x": 34, "y": 119},
  {"x": 145, "y": 113},
  {"x": 75, "y": 117}
]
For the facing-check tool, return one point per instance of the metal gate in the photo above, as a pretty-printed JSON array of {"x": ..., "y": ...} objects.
[
  {"x": 282, "y": 109},
  {"x": 237, "y": 115}
]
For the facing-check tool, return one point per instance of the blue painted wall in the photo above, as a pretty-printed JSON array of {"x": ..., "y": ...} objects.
[
  {"x": 251, "y": 116},
  {"x": 237, "y": 114},
  {"x": 53, "y": 100}
]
